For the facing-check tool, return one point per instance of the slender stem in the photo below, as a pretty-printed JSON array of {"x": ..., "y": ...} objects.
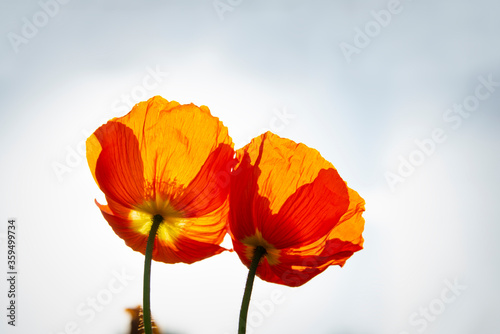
[
  {"x": 257, "y": 255},
  {"x": 146, "y": 309}
]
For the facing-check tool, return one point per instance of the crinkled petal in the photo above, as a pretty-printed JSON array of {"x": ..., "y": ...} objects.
[
  {"x": 175, "y": 141},
  {"x": 310, "y": 213},
  {"x": 298, "y": 266},
  {"x": 286, "y": 191},
  {"x": 209, "y": 189},
  {"x": 284, "y": 166},
  {"x": 351, "y": 224}
]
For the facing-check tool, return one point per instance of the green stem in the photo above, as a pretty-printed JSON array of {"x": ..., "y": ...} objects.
[
  {"x": 146, "y": 309},
  {"x": 257, "y": 255}
]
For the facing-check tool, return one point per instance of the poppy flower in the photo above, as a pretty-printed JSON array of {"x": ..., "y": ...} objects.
[
  {"x": 168, "y": 162},
  {"x": 291, "y": 203}
]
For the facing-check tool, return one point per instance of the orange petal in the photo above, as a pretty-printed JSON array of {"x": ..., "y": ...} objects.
[
  {"x": 118, "y": 168},
  {"x": 200, "y": 240},
  {"x": 175, "y": 141},
  {"x": 172, "y": 144},
  {"x": 210, "y": 187},
  {"x": 351, "y": 224},
  {"x": 121, "y": 225},
  {"x": 284, "y": 166},
  {"x": 286, "y": 191},
  {"x": 311, "y": 212},
  {"x": 186, "y": 251},
  {"x": 299, "y": 266}
]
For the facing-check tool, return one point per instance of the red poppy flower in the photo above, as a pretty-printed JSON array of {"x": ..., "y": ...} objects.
[
  {"x": 289, "y": 200},
  {"x": 165, "y": 159}
]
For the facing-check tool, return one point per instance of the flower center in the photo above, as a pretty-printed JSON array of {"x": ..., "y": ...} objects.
[
  {"x": 157, "y": 218},
  {"x": 272, "y": 254},
  {"x": 171, "y": 221}
]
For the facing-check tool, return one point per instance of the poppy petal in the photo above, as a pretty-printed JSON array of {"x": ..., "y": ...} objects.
[
  {"x": 297, "y": 267},
  {"x": 210, "y": 188},
  {"x": 186, "y": 251},
  {"x": 285, "y": 190},
  {"x": 118, "y": 168},
  {"x": 174, "y": 141},
  {"x": 311, "y": 212},
  {"x": 243, "y": 197},
  {"x": 351, "y": 225},
  {"x": 199, "y": 240},
  {"x": 284, "y": 166}
]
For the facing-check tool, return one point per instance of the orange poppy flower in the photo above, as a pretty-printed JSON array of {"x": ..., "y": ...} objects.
[
  {"x": 289, "y": 200},
  {"x": 169, "y": 160}
]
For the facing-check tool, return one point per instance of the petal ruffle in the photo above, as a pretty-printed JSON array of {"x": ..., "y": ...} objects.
[{"x": 351, "y": 225}]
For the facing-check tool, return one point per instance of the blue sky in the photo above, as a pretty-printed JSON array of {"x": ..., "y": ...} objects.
[{"x": 405, "y": 91}]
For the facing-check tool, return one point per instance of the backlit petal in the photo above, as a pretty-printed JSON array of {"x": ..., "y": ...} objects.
[
  {"x": 210, "y": 187},
  {"x": 174, "y": 140},
  {"x": 118, "y": 167},
  {"x": 352, "y": 223},
  {"x": 284, "y": 166},
  {"x": 311, "y": 212},
  {"x": 286, "y": 191}
]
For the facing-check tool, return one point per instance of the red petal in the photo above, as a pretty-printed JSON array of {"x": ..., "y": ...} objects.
[
  {"x": 210, "y": 188},
  {"x": 310, "y": 213},
  {"x": 277, "y": 191},
  {"x": 119, "y": 167}
]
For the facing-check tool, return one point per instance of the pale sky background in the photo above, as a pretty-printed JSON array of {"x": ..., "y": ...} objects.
[{"x": 89, "y": 61}]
